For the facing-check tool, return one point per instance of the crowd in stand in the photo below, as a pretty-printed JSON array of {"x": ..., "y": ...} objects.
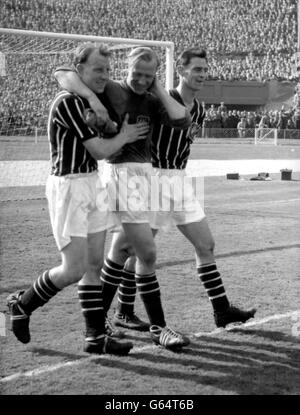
[
  {"x": 245, "y": 40},
  {"x": 243, "y": 123}
]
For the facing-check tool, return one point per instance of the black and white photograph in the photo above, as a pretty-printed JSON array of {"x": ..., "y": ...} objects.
[{"x": 149, "y": 201}]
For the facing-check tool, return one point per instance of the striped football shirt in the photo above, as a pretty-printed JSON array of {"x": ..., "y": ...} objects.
[
  {"x": 171, "y": 146},
  {"x": 67, "y": 131}
]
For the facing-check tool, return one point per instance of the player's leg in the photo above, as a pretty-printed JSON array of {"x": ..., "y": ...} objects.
[
  {"x": 91, "y": 301},
  {"x": 47, "y": 285},
  {"x": 141, "y": 239},
  {"x": 125, "y": 316},
  {"x": 199, "y": 234},
  {"x": 112, "y": 271}
]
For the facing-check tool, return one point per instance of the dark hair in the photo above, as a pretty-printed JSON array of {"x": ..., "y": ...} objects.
[
  {"x": 188, "y": 54},
  {"x": 83, "y": 52}
]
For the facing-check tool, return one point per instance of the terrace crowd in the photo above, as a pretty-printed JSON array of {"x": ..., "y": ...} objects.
[{"x": 246, "y": 40}]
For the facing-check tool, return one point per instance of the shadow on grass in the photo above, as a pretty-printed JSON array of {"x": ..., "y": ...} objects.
[
  {"x": 56, "y": 353},
  {"x": 230, "y": 255},
  {"x": 228, "y": 365},
  {"x": 232, "y": 366},
  {"x": 273, "y": 336},
  {"x": 237, "y": 373}
]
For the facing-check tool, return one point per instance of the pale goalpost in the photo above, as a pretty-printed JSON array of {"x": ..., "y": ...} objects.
[{"x": 27, "y": 63}]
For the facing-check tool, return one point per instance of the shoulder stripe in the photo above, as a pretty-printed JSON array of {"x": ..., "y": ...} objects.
[
  {"x": 71, "y": 117},
  {"x": 73, "y": 154},
  {"x": 159, "y": 138},
  {"x": 168, "y": 147},
  {"x": 65, "y": 124},
  {"x": 178, "y": 146}
]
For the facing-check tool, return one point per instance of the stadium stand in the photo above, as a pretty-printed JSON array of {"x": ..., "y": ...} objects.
[{"x": 248, "y": 40}]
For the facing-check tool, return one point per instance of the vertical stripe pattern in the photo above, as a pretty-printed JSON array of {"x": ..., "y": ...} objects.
[
  {"x": 171, "y": 146},
  {"x": 67, "y": 131}
]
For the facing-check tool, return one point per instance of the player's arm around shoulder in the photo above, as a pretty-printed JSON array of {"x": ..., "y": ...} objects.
[
  {"x": 101, "y": 148},
  {"x": 173, "y": 112},
  {"x": 69, "y": 80}
]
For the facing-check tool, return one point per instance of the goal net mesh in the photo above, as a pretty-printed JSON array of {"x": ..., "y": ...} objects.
[
  {"x": 266, "y": 136},
  {"x": 27, "y": 64}
]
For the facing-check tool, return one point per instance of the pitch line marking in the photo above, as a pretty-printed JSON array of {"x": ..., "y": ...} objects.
[
  {"x": 48, "y": 369},
  {"x": 250, "y": 323}
]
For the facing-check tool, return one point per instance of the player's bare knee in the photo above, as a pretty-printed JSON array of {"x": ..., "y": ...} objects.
[
  {"x": 95, "y": 267},
  {"x": 120, "y": 253},
  {"x": 205, "y": 248},
  {"x": 130, "y": 251},
  {"x": 74, "y": 272},
  {"x": 148, "y": 257}
]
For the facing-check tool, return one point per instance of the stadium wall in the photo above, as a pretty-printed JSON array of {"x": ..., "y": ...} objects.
[{"x": 250, "y": 93}]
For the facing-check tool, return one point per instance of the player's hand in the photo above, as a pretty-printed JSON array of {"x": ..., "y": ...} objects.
[
  {"x": 109, "y": 126},
  {"x": 156, "y": 86},
  {"x": 134, "y": 132}
]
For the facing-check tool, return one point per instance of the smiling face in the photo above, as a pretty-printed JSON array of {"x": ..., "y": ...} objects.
[
  {"x": 194, "y": 73},
  {"x": 95, "y": 71},
  {"x": 141, "y": 74}
]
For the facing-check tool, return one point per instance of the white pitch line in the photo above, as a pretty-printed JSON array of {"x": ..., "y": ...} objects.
[
  {"x": 251, "y": 204},
  {"x": 290, "y": 314},
  {"x": 275, "y": 201},
  {"x": 48, "y": 368},
  {"x": 52, "y": 368}
]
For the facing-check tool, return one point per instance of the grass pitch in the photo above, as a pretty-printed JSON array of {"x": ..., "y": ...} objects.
[{"x": 256, "y": 229}]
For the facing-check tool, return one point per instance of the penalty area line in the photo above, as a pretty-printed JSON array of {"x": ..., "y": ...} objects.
[
  {"x": 51, "y": 368},
  {"x": 254, "y": 322}
]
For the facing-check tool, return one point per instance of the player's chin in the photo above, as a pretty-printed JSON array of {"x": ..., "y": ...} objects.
[
  {"x": 138, "y": 89},
  {"x": 199, "y": 84},
  {"x": 99, "y": 88}
]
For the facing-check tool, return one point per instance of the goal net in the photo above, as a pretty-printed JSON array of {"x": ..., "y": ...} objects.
[
  {"x": 27, "y": 63},
  {"x": 266, "y": 136}
]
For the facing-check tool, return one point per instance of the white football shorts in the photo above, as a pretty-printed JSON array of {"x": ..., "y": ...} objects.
[
  {"x": 78, "y": 206},
  {"x": 128, "y": 187},
  {"x": 180, "y": 199}
]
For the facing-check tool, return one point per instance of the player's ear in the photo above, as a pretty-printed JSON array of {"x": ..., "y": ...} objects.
[{"x": 79, "y": 68}]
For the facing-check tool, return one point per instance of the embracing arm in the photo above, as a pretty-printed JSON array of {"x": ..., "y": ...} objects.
[
  {"x": 101, "y": 148},
  {"x": 69, "y": 80},
  {"x": 173, "y": 108}
]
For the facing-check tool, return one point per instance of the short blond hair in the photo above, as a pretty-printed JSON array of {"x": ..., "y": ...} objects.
[{"x": 143, "y": 53}]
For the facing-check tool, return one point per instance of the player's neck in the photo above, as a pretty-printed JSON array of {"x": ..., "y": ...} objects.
[{"x": 188, "y": 95}]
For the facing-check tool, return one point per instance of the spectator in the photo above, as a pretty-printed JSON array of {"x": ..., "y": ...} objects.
[
  {"x": 248, "y": 40},
  {"x": 222, "y": 107},
  {"x": 241, "y": 127}
]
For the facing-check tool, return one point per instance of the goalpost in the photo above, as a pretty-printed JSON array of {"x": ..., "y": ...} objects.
[
  {"x": 27, "y": 63},
  {"x": 266, "y": 136}
]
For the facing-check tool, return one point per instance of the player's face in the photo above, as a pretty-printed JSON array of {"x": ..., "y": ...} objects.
[
  {"x": 95, "y": 72},
  {"x": 195, "y": 73},
  {"x": 141, "y": 74}
]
